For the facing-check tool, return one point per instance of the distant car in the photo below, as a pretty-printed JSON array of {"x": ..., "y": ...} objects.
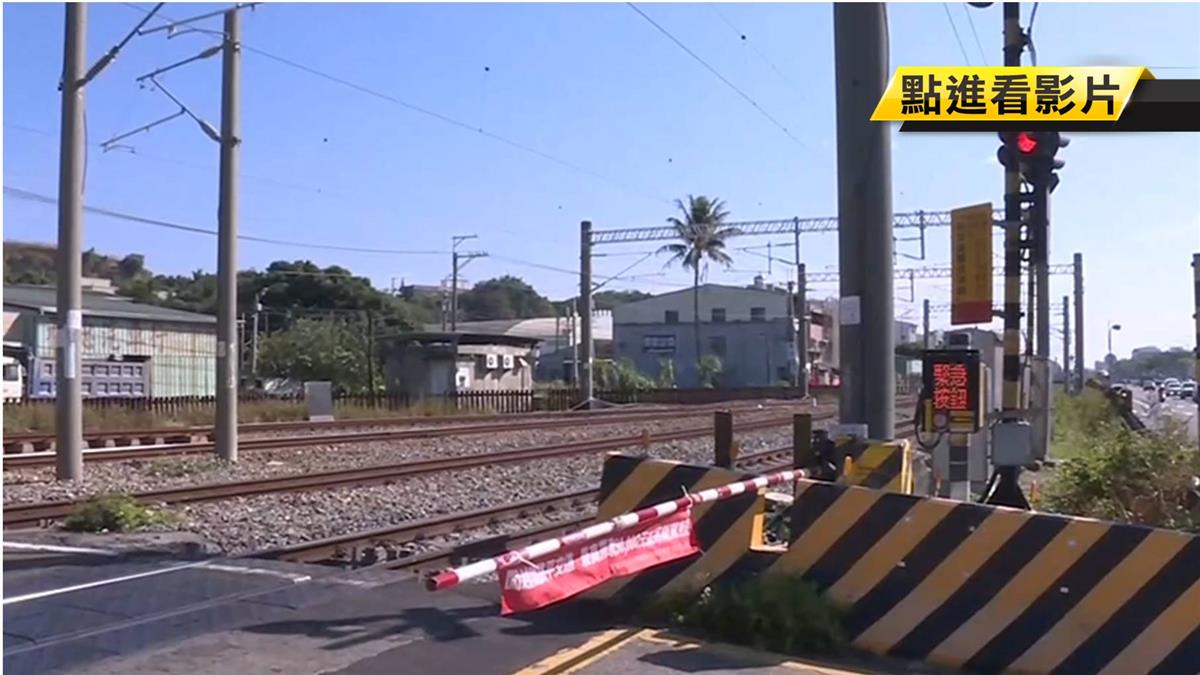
[
  {"x": 1171, "y": 386},
  {"x": 1148, "y": 385},
  {"x": 1187, "y": 390}
]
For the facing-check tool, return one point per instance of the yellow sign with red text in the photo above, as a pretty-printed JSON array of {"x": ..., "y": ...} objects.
[
  {"x": 1008, "y": 94},
  {"x": 971, "y": 264}
]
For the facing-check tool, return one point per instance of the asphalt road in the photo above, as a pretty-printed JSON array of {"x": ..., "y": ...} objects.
[{"x": 1154, "y": 414}]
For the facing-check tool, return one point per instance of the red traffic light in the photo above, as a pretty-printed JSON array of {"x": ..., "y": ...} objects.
[{"x": 1027, "y": 142}]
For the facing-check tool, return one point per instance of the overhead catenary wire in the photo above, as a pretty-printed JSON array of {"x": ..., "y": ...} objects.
[
  {"x": 762, "y": 111},
  {"x": 18, "y": 193},
  {"x": 442, "y": 117},
  {"x": 979, "y": 45},
  {"x": 962, "y": 50}
]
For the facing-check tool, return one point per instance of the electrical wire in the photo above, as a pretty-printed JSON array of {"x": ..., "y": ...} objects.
[
  {"x": 771, "y": 64},
  {"x": 970, "y": 21},
  {"x": 962, "y": 50},
  {"x": 715, "y": 72},
  {"x": 18, "y": 193},
  {"x": 453, "y": 122},
  {"x": 441, "y": 117}
]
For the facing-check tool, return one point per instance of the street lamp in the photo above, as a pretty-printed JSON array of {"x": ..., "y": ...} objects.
[{"x": 1111, "y": 328}]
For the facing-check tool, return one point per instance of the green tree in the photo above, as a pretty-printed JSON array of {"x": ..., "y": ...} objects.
[
  {"x": 610, "y": 299},
  {"x": 620, "y": 375},
  {"x": 319, "y": 349},
  {"x": 710, "y": 371},
  {"x": 702, "y": 233},
  {"x": 506, "y": 297}
]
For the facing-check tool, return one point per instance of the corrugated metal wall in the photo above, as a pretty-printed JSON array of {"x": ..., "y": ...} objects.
[{"x": 182, "y": 356}]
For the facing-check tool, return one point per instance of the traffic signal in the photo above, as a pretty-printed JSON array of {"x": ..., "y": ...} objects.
[{"x": 1035, "y": 155}]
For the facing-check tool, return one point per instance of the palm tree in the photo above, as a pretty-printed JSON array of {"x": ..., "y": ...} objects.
[{"x": 702, "y": 233}]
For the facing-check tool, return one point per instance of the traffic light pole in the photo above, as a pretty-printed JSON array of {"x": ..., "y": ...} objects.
[{"x": 1004, "y": 488}]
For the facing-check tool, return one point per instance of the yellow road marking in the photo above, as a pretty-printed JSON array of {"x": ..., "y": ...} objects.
[{"x": 572, "y": 659}]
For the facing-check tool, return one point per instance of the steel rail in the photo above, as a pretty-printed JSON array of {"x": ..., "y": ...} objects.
[
  {"x": 124, "y": 438},
  {"x": 33, "y": 513}
]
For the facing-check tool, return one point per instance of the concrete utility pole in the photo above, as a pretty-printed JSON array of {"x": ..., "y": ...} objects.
[
  {"x": 1078, "y": 322},
  {"x": 865, "y": 231},
  {"x": 585, "y": 313},
  {"x": 1066, "y": 362},
  {"x": 925, "y": 322},
  {"x": 68, "y": 315},
  {"x": 227, "y": 229},
  {"x": 802, "y": 303}
]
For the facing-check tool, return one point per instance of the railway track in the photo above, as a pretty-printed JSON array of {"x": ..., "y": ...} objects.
[
  {"x": 333, "y": 547},
  {"x": 22, "y": 515},
  {"x": 344, "y": 548},
  {"x": 15, "y": 443},
  {"x": 47, "y": 458}
]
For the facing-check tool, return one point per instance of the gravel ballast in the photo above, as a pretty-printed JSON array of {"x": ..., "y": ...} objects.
[{"x": 269, "y": 521}]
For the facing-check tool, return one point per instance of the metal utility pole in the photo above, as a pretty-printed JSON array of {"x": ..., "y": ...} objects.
[
  {"x": 254, "y": 338},
  {"x": 802, "y": 304},
  {"x": 1039, "y": 223},
  {"x": 1196, "y": 316},
  {"x": 1066, "y": 362},
  {"x": 585, "y": 312},
  {"x": 925, "y": 323},
  {"x": 865, "y": 229},
  {"x": 1078, "y": 322},
  {"x": 794, "y": 327},
  {"x": 68, "y": 315},
  {"x": 227, "y": 229},
  {"x": 454, "y": 268}
]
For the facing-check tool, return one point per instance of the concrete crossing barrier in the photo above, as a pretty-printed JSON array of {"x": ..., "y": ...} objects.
[{"x": 981, "y": 588}]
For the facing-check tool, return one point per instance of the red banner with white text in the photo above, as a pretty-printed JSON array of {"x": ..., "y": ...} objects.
[{"x": 528, "y": 586}]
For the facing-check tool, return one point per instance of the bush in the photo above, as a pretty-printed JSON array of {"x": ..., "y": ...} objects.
[
  {"x": 1126, "y": 476},
  {"x": 779, "y": 613},
  {"x": 113, "y": 513}
]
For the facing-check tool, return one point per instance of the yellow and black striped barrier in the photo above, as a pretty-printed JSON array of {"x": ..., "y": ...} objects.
[
  {"x": 969, "y": 586},
  {"x": 725, "y": 529},
  {"x": 992, "y": 589},
  {"x": 883, "y": 465}
]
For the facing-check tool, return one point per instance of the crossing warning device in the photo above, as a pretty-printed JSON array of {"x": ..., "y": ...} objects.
[{"x": 953, "y": 391}]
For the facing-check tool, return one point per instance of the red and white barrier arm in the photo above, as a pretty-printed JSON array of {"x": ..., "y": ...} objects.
[{"x": 625, "y": 521}]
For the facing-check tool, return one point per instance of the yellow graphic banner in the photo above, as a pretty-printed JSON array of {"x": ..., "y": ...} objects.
[{"x": 1024, "y": 94}]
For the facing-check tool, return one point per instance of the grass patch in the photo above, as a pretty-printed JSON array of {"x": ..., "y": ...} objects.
[
  {"x": 1112, "y": 473},
  {"x": 114, "y": 513},
  {"x": 779, "y": 613}
]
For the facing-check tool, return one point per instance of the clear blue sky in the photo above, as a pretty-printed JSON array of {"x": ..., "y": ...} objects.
[{"x": 599, "y": 87}]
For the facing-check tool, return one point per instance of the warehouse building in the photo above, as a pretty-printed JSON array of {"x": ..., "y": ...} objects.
[{"x": 128, "y": 348}]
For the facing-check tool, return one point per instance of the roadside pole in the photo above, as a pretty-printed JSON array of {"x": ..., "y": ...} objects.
[
  {"x": 585, "y": 312},
  {"x": 68, "y": 315},
  {"x": 1078, "y": 322},
  {"x": 865, "y": 232},
  {"x": 227, "y": 229}
]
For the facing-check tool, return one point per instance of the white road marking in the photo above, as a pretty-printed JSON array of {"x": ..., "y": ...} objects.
[
  {"x": 294, "y": 578},
  {"x": 52, "y": 548},
  {"x": 103, "y": 582}
]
